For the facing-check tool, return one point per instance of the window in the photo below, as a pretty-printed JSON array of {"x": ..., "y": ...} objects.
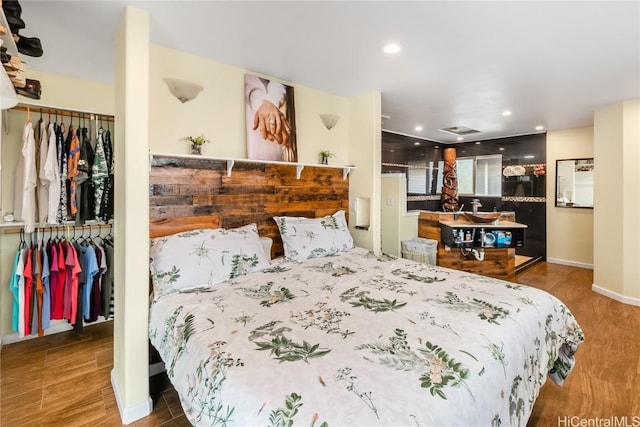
[
  {"x": 489, "y": 175},
  {"x": 477, "y": 176},
  {"x": 464, "y": 168},
  {"x": 417, "y": 177}
]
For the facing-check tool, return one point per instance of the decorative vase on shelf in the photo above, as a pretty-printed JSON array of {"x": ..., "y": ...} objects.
[
  {"x": 196, "y": 143},
  {"x": 324, "y": 156}
]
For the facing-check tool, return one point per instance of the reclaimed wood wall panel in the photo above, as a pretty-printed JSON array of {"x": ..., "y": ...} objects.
[
  {"x": 255, "y": 192},
  {"x": 164, "y": 227}
]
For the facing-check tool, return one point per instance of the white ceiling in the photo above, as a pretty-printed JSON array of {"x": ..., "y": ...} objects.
[{"x": 462, "y": 63}]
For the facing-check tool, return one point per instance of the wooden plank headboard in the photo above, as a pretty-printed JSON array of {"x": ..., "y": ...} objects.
[
  {"x": 165, "y": 226},
  {"x": 184, "y": 189}
]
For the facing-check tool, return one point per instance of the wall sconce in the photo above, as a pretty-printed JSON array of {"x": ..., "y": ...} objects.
[
  {"x": 329, "y": 120},
  {"x": 183, "y": 90}
]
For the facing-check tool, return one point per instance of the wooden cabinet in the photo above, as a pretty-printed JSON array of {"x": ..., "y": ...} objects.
[{"x": 498, "y": 261}]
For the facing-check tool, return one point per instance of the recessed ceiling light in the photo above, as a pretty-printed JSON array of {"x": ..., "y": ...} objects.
[
  {"x": 529, "y": 156},
  {"x": 478, "y": 142},
  {"x": 416, "y": 143},
  {"x": 539, "y": 127},
  {"x": 392, "y": 48},
  {"x": 418, "y": 128},
  {"x": 436, "y": 147},
  {"x": 459, "y": 138},
  {"x": 501, "y": 148},
  {"x": 506, "y": 113}
]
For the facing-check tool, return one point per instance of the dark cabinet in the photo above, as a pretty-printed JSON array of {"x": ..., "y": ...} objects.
[{"x": 486, "y": 236}]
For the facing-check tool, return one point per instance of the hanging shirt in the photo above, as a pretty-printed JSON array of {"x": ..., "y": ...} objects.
[
  {"x": 14, "y": 287},
  {"x": 52, "y": 255},
  {"x": 39, "y": 288},
  {"x": 100, "y": 172},
  {"x": 108, "y": 208},
  {"x": 67, "y": 296},
  {"x": 28, "y": 290},
  {"x": 21, "y": 294},
  {"x": 52, "y": 176},
  {"x": 85, "y": 193},
  {"x": 89, "y": 263},
  {"x": 61, "y": 215},
  {"x": 24, "y": 208},
  {"x": 73, "y": 273},
  {"x": 46, "y": 297},
  {"x": 43, "y": 182},
  {"x": 73, "y": 144},
  {"x": 107, "y": 280},
  {"x": 96, "y": 290},
  {"x": 58, "y": 309}
]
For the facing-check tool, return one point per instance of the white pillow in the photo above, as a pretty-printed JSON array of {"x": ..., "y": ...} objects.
[
  {"x": 314, "y": 237},
  {"x": 204, "y": 257}
]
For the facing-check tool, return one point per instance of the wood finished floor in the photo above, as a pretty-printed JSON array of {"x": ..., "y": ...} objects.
[{"x": 64, "y": 379}]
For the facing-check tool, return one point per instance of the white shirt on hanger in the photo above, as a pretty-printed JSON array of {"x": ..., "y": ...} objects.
[
  {"x": 26, "y": 181},
  {"x": 52, "y": 175},
  {"x": 43, "y": 183}
]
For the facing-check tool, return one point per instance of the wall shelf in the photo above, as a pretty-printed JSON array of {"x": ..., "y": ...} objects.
[{"x": 231, "y": 163}]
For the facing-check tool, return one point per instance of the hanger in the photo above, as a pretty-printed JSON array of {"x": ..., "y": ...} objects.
[
  {"x": 85, "y": 240},
  {"x": 109, "y": 237},
  {"x": 23, "y": 244}
]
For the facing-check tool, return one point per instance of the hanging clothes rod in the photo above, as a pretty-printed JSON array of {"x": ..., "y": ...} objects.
[
  {"x": 59, "y": 227},
  {"x": 36, "y": 109}
]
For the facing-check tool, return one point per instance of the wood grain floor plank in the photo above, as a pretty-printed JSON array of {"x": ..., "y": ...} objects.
[{"x": 604, "y": 382}]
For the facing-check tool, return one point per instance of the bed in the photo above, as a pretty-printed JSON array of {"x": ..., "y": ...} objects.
[{"x": 335, "y": 335}]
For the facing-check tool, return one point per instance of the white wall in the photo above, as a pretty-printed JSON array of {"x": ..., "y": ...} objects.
[
  {"x": 617, "y": 201},
  {"x": 365, "y": 151},
  {"x": 130, "y": 374},
  {"x": 396, "y": 223},
  {"x": 219, "y": 110},
  {"x": 569, "y": 231}
]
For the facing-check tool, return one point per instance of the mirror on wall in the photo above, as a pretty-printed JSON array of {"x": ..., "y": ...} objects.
[{"x": 574, "y": 183}]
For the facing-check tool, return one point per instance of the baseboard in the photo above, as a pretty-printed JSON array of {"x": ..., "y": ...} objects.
[
  {"x": 616, "y": 296},
  {"x": 130, "y": 414},
  {"x": 570, "y": 263},
  {"x": 55, "y": 327}
]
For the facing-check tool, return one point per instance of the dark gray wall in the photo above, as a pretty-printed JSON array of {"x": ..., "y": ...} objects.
[{"x": 524, "y": 195}]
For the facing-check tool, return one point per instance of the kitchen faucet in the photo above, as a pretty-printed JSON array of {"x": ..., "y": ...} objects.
[{"x": 475, "y": 203}]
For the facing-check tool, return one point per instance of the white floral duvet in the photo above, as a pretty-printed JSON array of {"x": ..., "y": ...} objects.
[{"x": 362, "y": 340}]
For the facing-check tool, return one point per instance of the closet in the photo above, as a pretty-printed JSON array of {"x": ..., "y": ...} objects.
[{"x": 56, "y": 202}]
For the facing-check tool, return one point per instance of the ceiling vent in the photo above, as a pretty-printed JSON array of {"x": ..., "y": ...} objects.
[{"x": 460, "y": 130}]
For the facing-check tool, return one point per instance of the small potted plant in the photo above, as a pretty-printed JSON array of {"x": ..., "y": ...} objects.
[
  {"x": 196, "y": 143},
  {"x": 324, "y": 156}
]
